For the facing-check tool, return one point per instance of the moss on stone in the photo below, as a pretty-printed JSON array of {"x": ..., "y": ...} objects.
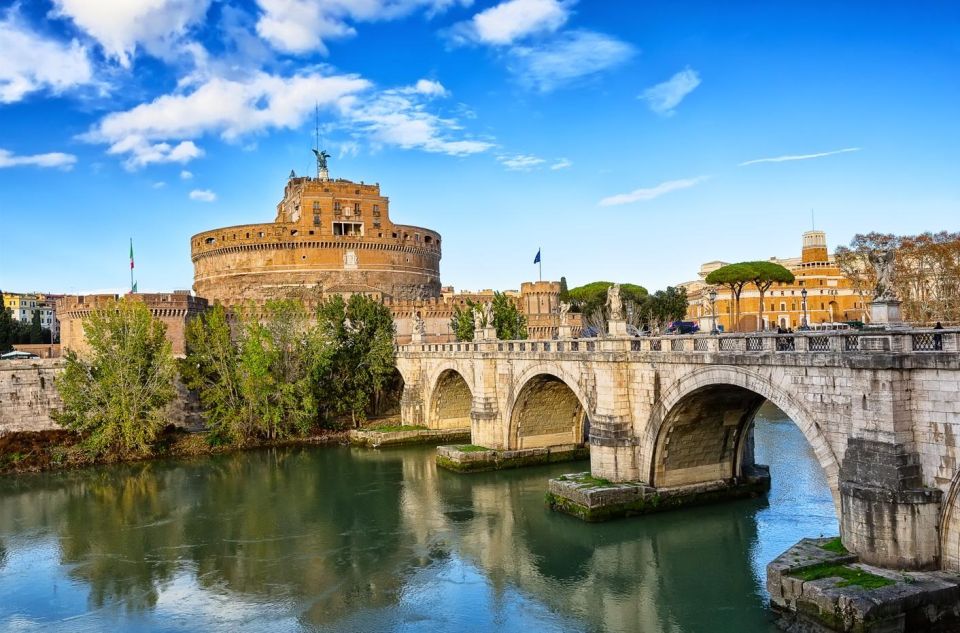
[
  {"x": 471, "y": 448},
  {"x": 395, "y": 428},
  {"x": 849, "y": 575},
  {"x": 834, "y": 545}
]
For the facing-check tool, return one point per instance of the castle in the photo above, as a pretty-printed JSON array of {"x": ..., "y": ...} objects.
[{"x": 329, "y": 237}]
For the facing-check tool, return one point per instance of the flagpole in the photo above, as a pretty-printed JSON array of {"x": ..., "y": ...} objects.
[{"x": 540, "y": 250}]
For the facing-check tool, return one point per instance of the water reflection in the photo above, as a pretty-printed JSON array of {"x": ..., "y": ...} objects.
[{"x": 336, "y": 539}]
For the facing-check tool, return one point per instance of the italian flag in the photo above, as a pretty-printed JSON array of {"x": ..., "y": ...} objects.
[{"x": 133, "y": 284}]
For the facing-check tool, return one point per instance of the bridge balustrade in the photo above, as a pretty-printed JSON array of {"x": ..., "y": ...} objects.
[{"x": 904, "y": 341}]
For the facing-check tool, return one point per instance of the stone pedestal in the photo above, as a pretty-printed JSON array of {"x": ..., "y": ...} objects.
[
  {"x": 617, "y": 328},
  {"x": 488, "y": 333},
  {"x": 885, "y": 312},
  {"x": 416, "y": 338},
  {"x": 565, "y": 331}
]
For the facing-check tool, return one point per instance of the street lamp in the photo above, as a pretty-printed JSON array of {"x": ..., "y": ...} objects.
[
  {"x": 804, "y": 326},
  {"x": 713, "y": 310}
]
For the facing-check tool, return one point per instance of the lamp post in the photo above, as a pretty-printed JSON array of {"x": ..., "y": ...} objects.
[
  {"x": 804, "y": 326},
  {"x": 713, "y": 310}
]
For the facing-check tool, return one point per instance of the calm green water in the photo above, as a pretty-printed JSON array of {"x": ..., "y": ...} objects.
[{"x": 337, "y": 539}]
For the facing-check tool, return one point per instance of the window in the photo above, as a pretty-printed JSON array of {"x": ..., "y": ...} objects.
[
  {"x": 294, "y": 232},
  {"x": 316, "y": 220},
  {"x": 356, "y": 208},
  {"x": 428, "y": 239},
  {"x": 316, "y": 206},
  {"x": 354, "y": 229},
  {"x": 783, "y": 306},
  {"x": 336, "y": 207},
  {"x": 376, "y": 209}
]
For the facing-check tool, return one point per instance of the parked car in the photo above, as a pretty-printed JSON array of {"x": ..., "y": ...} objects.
[
  {"x": 682, "y": 327},
  {"x": 17, "y": 355}
]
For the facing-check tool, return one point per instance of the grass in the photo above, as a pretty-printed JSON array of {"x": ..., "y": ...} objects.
[
  {"x": 472, "y": 448},
  {"x": 850, "y": 576},
  {"x": 393, "y": 428},
  {"x": 834, "y": 545}
]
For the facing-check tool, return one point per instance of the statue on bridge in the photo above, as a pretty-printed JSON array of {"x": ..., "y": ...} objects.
[
  {"x": 614, "y": 303},
  {"x": 488, "y": 314},
  {"x": 477, "y": 319},
  {"x": 564, "y": 310},
  {"x": 419, "y": 328},
  {"x": 883, "y": 264}
]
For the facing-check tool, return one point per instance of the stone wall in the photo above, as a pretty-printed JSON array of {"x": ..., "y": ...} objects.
[{"x": 28, "y": 395}]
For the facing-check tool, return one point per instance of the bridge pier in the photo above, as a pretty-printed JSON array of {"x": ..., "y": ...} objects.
[
  {"x": 613, "y": 452},
  {"x": 887, "y": 516}
]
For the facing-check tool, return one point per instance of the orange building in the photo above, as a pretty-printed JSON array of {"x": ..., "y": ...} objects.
[{"x": 830, "y": 297}]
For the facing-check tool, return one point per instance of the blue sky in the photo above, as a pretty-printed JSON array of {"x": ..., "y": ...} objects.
[{"x": 630, "y": 140}]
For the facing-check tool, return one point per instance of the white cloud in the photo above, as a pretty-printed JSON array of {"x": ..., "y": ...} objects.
[
  {"x": 520, "y": 162},
  {"x": 31, "y": 62},
  {"x": 203, "y": 195},
  {"x": 302, "y": 26},
  {"x": 570, "y": 56},
  {"x": 642, "y": 195},
  {"x": 398, "y": 118},
  {"x": 664, "y": 97},
  {"x": 162, "y": 130},
  {"x": 789, "y": 157},
  {"x": 510, "y": 21},
  {"x": 120, "y": 26},
  {"x": 426, "y": 87},
  {"x": 562, "y": 163},
  {"x": 186, "y": 175},
  {"x": 52, "y": 159},
  {"x": 158, "y": 185}
]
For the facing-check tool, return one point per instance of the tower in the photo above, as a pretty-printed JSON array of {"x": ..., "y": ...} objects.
[{"x": 815, "y": 247}]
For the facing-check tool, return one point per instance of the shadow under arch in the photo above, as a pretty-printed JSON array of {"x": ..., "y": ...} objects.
[
  {"x": 451, "y": 401},
  {"x": 699, "y": 429},
  {"x": 548, "y": 410}
]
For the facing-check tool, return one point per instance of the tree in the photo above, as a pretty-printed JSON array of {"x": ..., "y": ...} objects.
[
  {"x": 564, "y": 291},
  {"x": 462, "y": 322},
  {"x": 211, "y": 368},
  {"x": 510, "y": 323},
  {"x": 665, "y": 306},
  {"x": 36, "y": 328},
  {"x": 357, "y": 335},
  {"x": 765, "y": 274},
  {"x": 116, "y": 396},
  {"x": 7, "y": 327},
  {"x": 734, "y": 277}
]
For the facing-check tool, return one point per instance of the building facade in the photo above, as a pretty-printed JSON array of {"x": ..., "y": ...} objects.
[
  {"x": 328, "y": 237},
  {"x": 830, "y": 297},
  {"x": 22, "y": 306}
]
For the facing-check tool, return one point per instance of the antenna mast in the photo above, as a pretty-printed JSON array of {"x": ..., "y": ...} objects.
[{"x": 322, "y": 155}]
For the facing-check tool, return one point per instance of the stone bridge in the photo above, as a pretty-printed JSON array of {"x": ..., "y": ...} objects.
[{"x": 881, "y": 411}]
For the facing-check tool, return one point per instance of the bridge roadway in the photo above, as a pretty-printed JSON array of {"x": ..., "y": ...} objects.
[{"x": 881, "y": 411}]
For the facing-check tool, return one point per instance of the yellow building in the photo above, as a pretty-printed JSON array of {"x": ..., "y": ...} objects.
[
  {"x": 23, "y": 305},
  {"x": 830, "y": 297}
]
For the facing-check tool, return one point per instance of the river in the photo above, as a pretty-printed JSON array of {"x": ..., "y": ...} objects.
[{"x": 342, "y": 539}]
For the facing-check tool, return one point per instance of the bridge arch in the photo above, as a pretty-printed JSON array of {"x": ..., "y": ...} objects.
[
  {"x": 722, "y": 400},
  {"x": 950, "y": 527},
  {"x": 450, "y": 400},
  {"x": 548, "y": 409}
]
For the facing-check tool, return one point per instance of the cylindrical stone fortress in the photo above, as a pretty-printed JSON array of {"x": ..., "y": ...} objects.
[{"x": 329, "y": 236}]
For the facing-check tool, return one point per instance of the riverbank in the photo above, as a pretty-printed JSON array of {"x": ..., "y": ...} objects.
[{"x": 40, "y": 451}]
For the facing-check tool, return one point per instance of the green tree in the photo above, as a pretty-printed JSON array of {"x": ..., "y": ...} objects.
[
  {"x": 765, "y": 274},
  {"x": 665, "y": 306},
  {"x": 7, "y": 327},
  {"x": 593, "y": 296},
  {"x": 36, "y": 328},
  {"x": 211, "y": 368},
  {"x": 509, "y": 322},
  {"x": 116, "y": 396},
  {"x": 358, "y": 339},
  {"x": 462, "y": 322},
  {"x": 564, "y": 291},
  {"x": 275, "y": 371},
  {"x": 734, "y": 277}
]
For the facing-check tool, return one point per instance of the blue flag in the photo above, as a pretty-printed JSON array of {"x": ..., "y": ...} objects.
[{"x": 536, "y": 260}]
